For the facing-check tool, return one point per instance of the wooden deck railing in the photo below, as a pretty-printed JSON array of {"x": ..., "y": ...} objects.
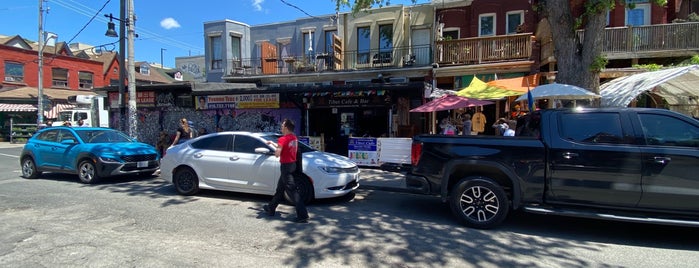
[
  {"x": 629, "y": 41},
  {"x": 480, "y": 50}
]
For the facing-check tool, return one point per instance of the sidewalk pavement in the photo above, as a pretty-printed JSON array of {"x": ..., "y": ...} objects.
[
  {"x": 383, "y": 180},
  {"x": 369, "y": 177}
]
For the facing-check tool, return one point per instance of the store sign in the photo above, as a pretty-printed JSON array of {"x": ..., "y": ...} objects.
[
  {"x": 244, "y": 101},
  {"x": 362, "y": 151},
  {"x": 145, "y": 98}
]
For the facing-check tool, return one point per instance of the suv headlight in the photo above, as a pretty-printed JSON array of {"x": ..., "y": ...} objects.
[{"x": 109, "y": 160}]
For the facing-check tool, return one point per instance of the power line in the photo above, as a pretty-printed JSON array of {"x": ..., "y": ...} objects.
[
  {"x": 304, "y": 12},
  {"x": 88, "y": 22}
]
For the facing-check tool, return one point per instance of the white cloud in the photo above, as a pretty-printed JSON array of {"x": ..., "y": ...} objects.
[
  {"x": 169, "y": 23},
  {"x": 257, "y": 4}
]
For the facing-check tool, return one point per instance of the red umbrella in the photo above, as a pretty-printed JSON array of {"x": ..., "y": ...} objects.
[{"x": 449, "y": 102}]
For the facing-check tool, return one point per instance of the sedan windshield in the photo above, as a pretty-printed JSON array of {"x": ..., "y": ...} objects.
[
  {"x": 102, "y": 136},
  {"x": 303, "y": 148}
]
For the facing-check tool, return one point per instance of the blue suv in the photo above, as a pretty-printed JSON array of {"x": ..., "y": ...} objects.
[{"x": 90, "y": 152}]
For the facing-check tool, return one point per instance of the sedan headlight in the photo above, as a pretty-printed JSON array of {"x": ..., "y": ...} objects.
[{"x": 338, "y": 170}]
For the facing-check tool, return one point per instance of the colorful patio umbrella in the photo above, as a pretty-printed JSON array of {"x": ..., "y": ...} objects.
[
  {"x": 478, "y": 89},
  {"x": 449, "y": 102}
]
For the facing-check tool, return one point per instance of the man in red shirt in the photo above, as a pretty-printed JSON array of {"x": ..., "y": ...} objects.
[{"x": 286, "y": 149}]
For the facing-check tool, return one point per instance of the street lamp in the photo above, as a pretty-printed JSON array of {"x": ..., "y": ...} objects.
[{"x": 124, "y": 24}]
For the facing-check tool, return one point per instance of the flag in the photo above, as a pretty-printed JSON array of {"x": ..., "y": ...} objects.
[{"x": 530, "y": 100}]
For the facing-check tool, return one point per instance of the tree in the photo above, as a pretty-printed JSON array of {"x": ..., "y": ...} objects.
[{"x": 579, "y": 60}]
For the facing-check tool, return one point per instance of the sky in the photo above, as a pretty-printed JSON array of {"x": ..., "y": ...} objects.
[{"x": 173, "y": 28}]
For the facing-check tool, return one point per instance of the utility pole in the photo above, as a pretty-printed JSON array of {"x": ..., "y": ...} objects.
[
  {"x": 133, "y": 127},
  {"x": 40, "y": 95},
  {"x": 122, "y": 64}
]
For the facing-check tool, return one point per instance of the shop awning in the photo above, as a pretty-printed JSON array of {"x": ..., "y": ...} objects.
[
  {"x": 520, "y": 84},
  {"x": 478, "y": 89},
  {"x": 14, "y": 107}
]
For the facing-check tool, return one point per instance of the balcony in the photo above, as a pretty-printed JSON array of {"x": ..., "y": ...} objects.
[
  {"x": 480, "y": 50},
  {"x": 648, "y": 41},
  {"x": 398, "y": 57}
]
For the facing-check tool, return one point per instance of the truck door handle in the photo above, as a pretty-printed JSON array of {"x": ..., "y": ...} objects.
[
  {"x": 569, "y": 155},
  {"x": 661, "y": 160}
]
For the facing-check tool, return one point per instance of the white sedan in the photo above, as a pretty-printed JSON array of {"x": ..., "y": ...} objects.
[{"x": 242, "y": 162}]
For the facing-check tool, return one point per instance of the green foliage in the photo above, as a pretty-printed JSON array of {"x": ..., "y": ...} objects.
[
  {"x": 359, "y": 5},
  {"x": 649, "y": 67},
  {"x": 598, "y": 64},
  {"x": 694, "y": 59}
]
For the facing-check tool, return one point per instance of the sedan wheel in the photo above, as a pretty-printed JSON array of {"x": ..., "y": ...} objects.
[
  {"x": 479, "y": 202},
  {"x": 87, "y": 172},
  {"x": 29, "y": 170},
  {"x": 305, "y": 189},
  {"x": 186, "y": 181}
]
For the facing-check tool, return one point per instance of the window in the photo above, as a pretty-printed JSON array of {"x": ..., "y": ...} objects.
[
  {"x": 216, "y": 53},
  {"x": 59, "y": 77},
  {"x": 329, "y": 41},
  {"x": 450, "y": 34},
  {"x": 592, "y": 127},
  {"x": 49, "y": 135},
  {"x": 66, "y": 135},
  {"x": 235, "y": 51},
  {"x": 144, "y": 69},
  {"x": 85, "y": 80},
  {"x": 14, "y": 72},
  {"x": 514, "y": 20},
  {"x": 216, "y": 143},
  {"x": 245, "y": 144},
  {"x": 668, "y": 131},
  {"x": 363, "y": 44},
  {"x": 385, "y": 44},
  {"x": 307, "y": 44},
  {"x": 486, "y": 24},
  {"x": 640, "y": 14}
]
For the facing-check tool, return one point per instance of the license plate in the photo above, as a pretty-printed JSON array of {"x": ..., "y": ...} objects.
[{"x": 142, "y": 164}]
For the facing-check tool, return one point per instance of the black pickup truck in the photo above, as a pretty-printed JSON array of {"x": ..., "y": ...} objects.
[{"x": 629, "y": 164}]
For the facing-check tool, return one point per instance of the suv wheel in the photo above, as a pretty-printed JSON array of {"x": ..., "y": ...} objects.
[
  {"x": 29, "y": 170},
  {"x": 87, "y": 172},
  {"x": 479, "y": 202}
]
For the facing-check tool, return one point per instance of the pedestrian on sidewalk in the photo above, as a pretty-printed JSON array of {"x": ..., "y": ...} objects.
[{"x": 285, "y": 149}]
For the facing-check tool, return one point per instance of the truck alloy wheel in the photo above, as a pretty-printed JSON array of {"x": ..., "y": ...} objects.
[{"x": 479, "y": 202}]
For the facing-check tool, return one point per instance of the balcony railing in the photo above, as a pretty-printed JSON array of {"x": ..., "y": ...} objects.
[
  {"x": 480, "y": 50},
  {"x": 625, "y": 42},
  {"x": 398, "y": 57}
]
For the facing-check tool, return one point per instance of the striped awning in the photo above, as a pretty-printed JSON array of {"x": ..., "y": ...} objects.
[
  {"x": 50, "y": 113},
  {"x": 15, "y": 107}
]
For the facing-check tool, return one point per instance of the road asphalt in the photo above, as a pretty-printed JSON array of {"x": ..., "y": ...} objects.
[{"x": 370, "y": 177}]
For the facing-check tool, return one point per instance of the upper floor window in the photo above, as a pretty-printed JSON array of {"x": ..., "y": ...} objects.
[
  {"x": 640, "y": 14},
  {"x": 385, "y": 44},
  {"x": 144, "y": 69},
  {"x": 486, "y": 24},
  {"x": 14, "y": 72},
  {"x": 216, "y": 52},
  {"x": 59, "y": 77},
  {"x": 329, "y": 40},
  {"x": 363, "y": 44},
  {"x": 514, "y": 20},
  {"x": 235, "y": 49},
  {"x": 307, "y": 44},
  {"x": 450, "y": 34},
  {"x": 84, "y": 80}
]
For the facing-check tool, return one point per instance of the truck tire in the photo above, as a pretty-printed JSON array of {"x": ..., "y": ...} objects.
[{"x": 479, "y": 202}]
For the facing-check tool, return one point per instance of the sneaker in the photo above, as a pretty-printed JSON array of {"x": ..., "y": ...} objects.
[
  {"x": 268, "y": 210},
  {"x": 301, "y": 220}
]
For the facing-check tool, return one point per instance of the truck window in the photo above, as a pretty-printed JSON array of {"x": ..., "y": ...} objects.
[
  {"x": 668, "y": 131},
  {"x": 592, "y": 127}
]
